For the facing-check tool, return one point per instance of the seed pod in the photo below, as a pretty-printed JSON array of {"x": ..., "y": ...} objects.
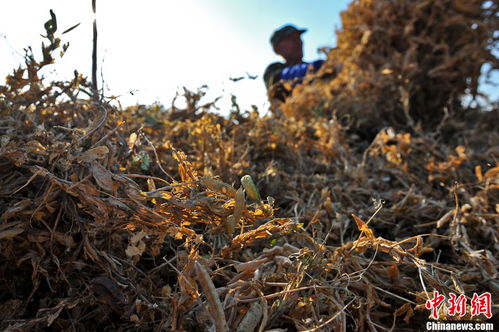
[
  {"x": 230, "y": 225},
  {"x": 233, "y": 220},
  {"x": 240, "y": 205},
  {"x": 219, "y": 186},
  {"x": 250, "y": 188}
]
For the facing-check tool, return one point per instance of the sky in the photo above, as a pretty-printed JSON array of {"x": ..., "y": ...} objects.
[{"x": 149, "y": 50}]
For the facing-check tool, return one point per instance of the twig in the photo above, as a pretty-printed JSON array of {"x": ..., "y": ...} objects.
[
  {"x": 156, "y": 155},
  {"x": 94, "y": 53},
  {"x": 251, "y": 319},
  {"x": 422, "y": 281},
  {"x": 153, "y": 178},
  {"x": 330, "y": 319},
  {"x": 363, "y": 271},
  {"x": 394, "y": 295},
  {"x": 284, "y": 292},
  {"x": 106, "y": 136},
  {"x": 159, "y": 267},
  {"x": 215, "y": 307}
]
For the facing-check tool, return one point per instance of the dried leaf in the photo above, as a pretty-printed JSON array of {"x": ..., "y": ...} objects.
[
  {"x": 218, "y": 186},
  {"x": 103, "y": 177},
  {"x": 10, "y": 233},
  {"x": 94, "y": 154},
  {"x": 363, "y": 227}
]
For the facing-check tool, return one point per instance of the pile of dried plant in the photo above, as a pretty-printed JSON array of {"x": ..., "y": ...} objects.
[
  {"x": 180, "y": 219},
  {"x": 403, "y": 62}
]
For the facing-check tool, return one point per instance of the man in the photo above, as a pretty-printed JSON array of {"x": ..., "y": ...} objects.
[{"x": 281, "y": 77}]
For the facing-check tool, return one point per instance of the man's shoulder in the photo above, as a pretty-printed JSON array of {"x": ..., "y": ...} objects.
[
  {"x": 275, "y": 66},
  {"x": 272, "y": 73}
]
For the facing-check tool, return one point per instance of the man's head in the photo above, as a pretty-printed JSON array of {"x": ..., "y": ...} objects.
[{"x": 287, "y": 42}]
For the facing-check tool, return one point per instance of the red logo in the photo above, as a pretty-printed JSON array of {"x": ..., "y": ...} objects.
[
  {"x": 457, "y": 305},
  {"x": 434, "y": 303},
  {"x": 481, "y": 305}
]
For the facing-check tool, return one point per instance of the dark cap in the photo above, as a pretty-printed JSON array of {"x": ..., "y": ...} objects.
[{"x": 281, "y": 33}]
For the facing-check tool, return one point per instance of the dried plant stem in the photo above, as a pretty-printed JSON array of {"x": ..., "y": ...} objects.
[
  {"x": 273, "y": 295},
  {"x": 216, "y": 309},
  {"x": 158, "y": 162},
  {"x": 330, "y": 319},
  {"x": 251, "y": 319},
  {"x": 94, "y": 54},
  {"x": 394, "y": 295}
]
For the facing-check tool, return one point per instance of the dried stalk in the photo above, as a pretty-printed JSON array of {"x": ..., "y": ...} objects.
[
  {"x": 94, "y": 53},
  {"x": 215, "y": 306}
]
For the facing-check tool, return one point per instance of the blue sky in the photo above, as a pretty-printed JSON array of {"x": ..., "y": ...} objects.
[{"x": 154, "y": 48}]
